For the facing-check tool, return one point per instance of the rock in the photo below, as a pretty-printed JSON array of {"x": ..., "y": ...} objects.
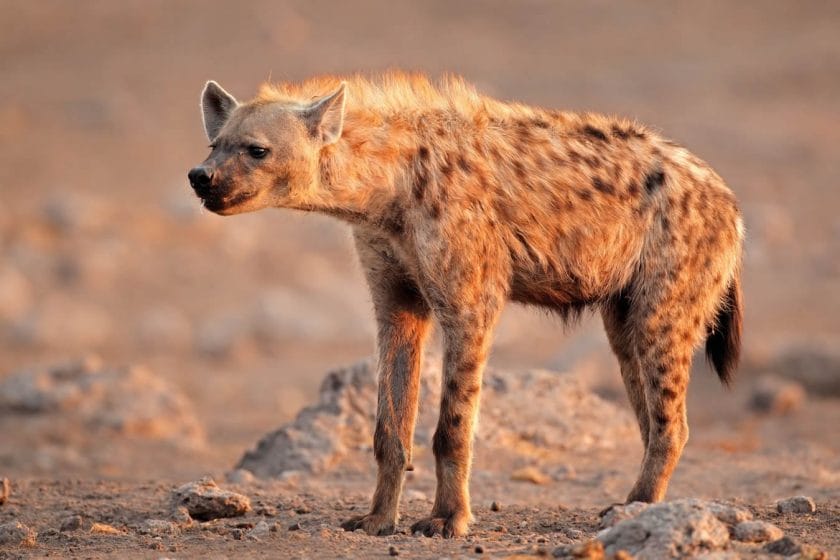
[
  {"x": 92, "y": 399},
  {"x": 680, "y": 528},
  {"x": 554, "y": 412},
  {"x": 756, "y": 531},
  {"x": 159, "y": 528},
  {"x": 590, "y": 550},
  {"x": 204, "y": 500},
  {"x": 5, "y": 490},
  {"x": 71, "y": 523},
  {"x": 789, "y": 548},
  {"x": 260, "y": 531},
  {"x": 392, "y": 551},
  {"x": 16, "y": 533},
  {"x": 530, "y": 474},
  {"x": 784, "y": 546},
  {"x": 797, "y": 504},
  {"x": 105, "y": 529},
  {"x": 495, "y": 506},
  {"x": 774, "y": 395},
  {"x": 620, "y": 512}
]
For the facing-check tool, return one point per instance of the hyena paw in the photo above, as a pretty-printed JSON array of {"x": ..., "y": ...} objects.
[
  {"x": 455, "y": 525},
  {"x": 372, "y": 524}
]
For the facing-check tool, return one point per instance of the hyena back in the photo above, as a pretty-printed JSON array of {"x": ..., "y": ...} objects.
[{"x": 459, "y": 203}]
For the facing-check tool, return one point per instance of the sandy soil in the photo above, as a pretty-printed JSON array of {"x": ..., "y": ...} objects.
[{"x": 105, "y": 252}]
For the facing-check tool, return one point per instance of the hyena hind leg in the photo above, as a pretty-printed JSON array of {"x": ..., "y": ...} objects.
[
  {"x": 615, "y": 314},
  {"x": 667, "y": 336}
]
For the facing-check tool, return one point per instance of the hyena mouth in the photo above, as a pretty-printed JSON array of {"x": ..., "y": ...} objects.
[{"x": 218, "y": 204}]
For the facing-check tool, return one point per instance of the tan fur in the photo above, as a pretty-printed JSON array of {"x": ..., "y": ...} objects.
[{"x": 459, "y": 203}]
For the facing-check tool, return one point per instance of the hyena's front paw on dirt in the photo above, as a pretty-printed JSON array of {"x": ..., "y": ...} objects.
[
  {"x": 455, "y": 525},
  {"x": 372, "y": 524}
]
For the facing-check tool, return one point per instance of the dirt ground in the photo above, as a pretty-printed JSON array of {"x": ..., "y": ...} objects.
[{"x": 103, "y": 251}]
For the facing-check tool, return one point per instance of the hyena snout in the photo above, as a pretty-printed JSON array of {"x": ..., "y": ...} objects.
[{"x": 201, "y": 178}]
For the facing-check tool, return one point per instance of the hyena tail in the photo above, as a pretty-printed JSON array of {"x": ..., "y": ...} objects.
[{"x": 723, "y": 343}]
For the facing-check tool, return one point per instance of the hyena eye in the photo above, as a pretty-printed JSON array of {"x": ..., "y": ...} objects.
[{"x": 257, "y": 152}]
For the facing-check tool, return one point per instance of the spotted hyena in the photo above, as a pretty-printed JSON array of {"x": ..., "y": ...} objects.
[{"x": 458, "y": 203}]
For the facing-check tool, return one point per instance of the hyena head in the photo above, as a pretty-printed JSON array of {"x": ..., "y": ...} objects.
[{"x": 263, "y": 154}]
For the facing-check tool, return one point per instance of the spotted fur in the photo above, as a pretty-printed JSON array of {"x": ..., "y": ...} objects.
[{"x": 460, "y": 203}]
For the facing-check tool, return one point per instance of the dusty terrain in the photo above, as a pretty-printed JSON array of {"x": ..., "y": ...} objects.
[{"x": 210, "y": 332}]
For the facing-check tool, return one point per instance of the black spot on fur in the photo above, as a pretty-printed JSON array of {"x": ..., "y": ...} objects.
[
  {"x": 540, "y": 123},
  {"x": 595, "y": 133},
  {"x": 619, "y": 132},
  {"x": 393, "y": 220},
  {"x": 601, "y": 186},
  {"x": 654, "y": 179},
  {"x": 464, "y": 164},
  {"x": 520, "y": 169},
  {"x": 585, "y": 194},
  {"x": 456, "y": 421},
  {"x": 423, "y": 152},
  {"x": 669, "y": 394}
]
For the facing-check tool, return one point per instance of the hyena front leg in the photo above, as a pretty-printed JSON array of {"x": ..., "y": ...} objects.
[
  {"x": 403, "y": 319},
  {"x": 467, "y": 334}
]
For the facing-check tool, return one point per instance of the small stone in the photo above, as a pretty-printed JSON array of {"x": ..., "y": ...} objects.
[
  {"x": 204, "y": 500},
  {"x": 392, "y": 551},
  {"x": 16, "y": 533},
  {"x": 237, "y": 534},
  {"x": 104, "y": 529},
  {"x": 495, "y": 506},
  {"x": 71, "y": 523},
  {"x": 5, "y": 490},
  {"x": 159, "y": 528},
  {"x": 785, "y": 546},
  {"x": 479, "y": 549},
  {"x": 530, "y": 474},
  {"x": 295, "y": 527},
  {"x": 757, "y": 531},
  {"x": 303, "y": 510},
  {"x": 797, "y": 504},
  {"x": 774, "y": 395},
  {"x": 260, "y": 530}
]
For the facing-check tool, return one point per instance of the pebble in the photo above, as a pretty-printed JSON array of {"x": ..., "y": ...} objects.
[
  {"x": 797, "y": 504},
  {"x": 259, "y": 531},
  {"x": 478, "y": 548},
  {"x": 295, "y": 527},
  {"x": 392, "y": 551},
  {"x": 495, "y": 506},
  {"x": 159, "y": 528},
  {"x": 204, "y": 500},
  {"x": 71, "y": 523},
  {"x": 757, "y": 531}
]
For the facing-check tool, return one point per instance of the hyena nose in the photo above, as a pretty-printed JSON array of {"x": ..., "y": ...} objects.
[{"x": 200, "y": 177}]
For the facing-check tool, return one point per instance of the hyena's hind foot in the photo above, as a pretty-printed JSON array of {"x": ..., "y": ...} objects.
[
  {"x": 455, "y": 525},
  {"x": 373, "y": 524}
]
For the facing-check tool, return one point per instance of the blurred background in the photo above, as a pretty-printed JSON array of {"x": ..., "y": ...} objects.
[{"x": 106, "y": 253}]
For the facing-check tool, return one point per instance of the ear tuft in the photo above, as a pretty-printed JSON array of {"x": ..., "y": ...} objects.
[
  {"x": 325, "y": 116},
  {"x": 216, "y": 108}
]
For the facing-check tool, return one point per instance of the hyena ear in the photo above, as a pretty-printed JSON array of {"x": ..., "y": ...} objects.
[
  {"x": 325, "y": 116},
  {"x": 216, "y": 107}
]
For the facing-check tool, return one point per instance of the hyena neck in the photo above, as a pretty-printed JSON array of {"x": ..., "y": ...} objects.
[{"x": 365, "y": 176}]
